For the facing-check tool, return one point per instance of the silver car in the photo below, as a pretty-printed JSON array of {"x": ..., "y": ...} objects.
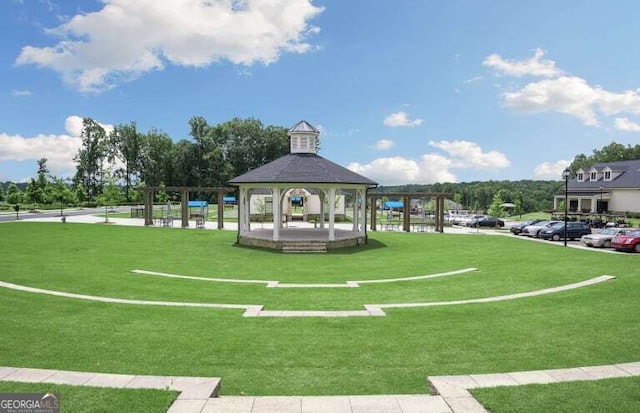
[
  {"x": 534, "y": 230},
  {"x": 603, "y": 237}
]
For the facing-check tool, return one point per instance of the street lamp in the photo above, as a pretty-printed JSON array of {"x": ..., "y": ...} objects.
[{"x": 565, "y": 175}]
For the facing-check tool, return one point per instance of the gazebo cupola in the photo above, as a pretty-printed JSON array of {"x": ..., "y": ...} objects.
[{"x": 304, "y": 138}]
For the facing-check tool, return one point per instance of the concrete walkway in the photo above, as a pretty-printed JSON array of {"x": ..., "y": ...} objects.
[{"x": 199, "y": 394}]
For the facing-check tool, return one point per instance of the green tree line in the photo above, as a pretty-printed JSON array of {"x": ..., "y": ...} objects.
[{"x": 126, "y": 158}]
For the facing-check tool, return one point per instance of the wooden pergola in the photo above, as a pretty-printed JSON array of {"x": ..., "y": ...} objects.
[
  {"x": 149, "y": 191},
  {"x": 406, "y": 201}
]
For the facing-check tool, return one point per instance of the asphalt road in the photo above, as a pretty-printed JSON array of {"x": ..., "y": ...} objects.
[{"x": 26, "y": 215}]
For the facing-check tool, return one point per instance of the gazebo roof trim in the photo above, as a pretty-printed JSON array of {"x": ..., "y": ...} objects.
[{"x": 303, "y": 168}]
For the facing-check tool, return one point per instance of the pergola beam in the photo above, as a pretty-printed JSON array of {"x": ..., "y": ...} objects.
[
  {"x": 149, "y": 191},
  {"x": 406, "y": 201}
]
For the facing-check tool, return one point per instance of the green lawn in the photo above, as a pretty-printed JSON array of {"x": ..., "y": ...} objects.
[
  {"x": 612, "y": 396},
  {"x": 309, "y": 356},
  {"x": 98, "y": 399}
]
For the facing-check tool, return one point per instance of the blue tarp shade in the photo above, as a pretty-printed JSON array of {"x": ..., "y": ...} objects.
[
  {"x": 198, "y": 204},
  {"x": 393, "y": 205},
  {"x": 228, "y": 199}
]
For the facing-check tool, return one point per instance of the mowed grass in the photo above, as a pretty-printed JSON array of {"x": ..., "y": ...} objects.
[
  {"x": 620, "y": 395},
  {"x": 98, "y": 399},
  {"x": 309, "y": 356}
]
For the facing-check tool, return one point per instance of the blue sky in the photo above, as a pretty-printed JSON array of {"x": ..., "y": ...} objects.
[{"x": 403, "y": 91}]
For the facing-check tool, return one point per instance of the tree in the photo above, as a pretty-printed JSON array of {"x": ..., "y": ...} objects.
[
  {"x": 127, "y": 146},
  {"x": 496, "y": 209},
  {"x": 2, "y": 194},
  {"x": 91, "y": 158},
  {"x": 14, "y": 195},
  {"x": 34, "y": 194},
  {"x": 43, "y": 174},
  {"x": 612, "y": 152},
  {"x": 156, "y": 158},
  {"x": 110, "y": 196},
  {"x": 61, "y": 193}
]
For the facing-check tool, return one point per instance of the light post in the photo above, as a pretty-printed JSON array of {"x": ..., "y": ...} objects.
[{"x": 565, "y": 175}]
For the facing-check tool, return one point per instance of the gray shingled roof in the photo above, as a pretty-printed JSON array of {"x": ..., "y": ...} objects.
[
  {"x": 630, "y": 177},
  {"x": 307, "y": 168}
]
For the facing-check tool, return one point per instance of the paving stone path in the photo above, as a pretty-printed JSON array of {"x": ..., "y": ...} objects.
[
  {"x": 450, "y": 394},
  {"x": 253, "y": 310}
]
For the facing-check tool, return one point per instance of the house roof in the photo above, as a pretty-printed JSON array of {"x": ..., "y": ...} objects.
[
  {"x": 303, "y": 126},
  {"x": 629, "y": 176},
  {"x": 303, "y": 168}
]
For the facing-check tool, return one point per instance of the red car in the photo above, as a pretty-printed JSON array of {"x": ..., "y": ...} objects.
[{"x": 627, "y": 242}]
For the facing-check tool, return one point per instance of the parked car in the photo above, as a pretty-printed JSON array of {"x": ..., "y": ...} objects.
[
  {"x": 627, "y": 242},
  {"x": 534, "y": 230},
  {"x": 463, "y": 219},
  {"x": 516, "y": 229},
  {"x": 574, "y": 230},
  {"x": 603, "y": 237},
  {"x": 485, "y": 222}
]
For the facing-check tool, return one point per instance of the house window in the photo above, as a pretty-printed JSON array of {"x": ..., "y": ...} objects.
[
  {"x": 594, "y": 176},
  {"x": 580, "y": 177},
  {"x": 607, "y": 175}
]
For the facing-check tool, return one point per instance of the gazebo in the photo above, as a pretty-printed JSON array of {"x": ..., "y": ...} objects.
[{"x": 302, "y": 170}]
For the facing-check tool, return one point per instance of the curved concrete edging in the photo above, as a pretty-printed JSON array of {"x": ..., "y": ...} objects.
[
  {"x": 278, "y": 284},
  {"x": 253, "y": 310}
]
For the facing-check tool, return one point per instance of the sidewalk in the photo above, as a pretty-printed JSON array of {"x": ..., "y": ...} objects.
[{"x": 450, "y": 394}]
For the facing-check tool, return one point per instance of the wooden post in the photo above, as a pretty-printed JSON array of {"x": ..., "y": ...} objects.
[
  {"x": 148, "y": 207},
  {"x": 221, "y": 209},
  {"x": 374, "y": 213},
  {"x": 406, "y": 214},
  {"x": 441, "y": 214},
  {"x": 185, "y": 208}
]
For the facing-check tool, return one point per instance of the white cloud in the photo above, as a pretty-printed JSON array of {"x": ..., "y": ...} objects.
[
  {"x": 465, "y": 154},
  {"x": 126, "y": 39},
  {"x": 562, "y": 93},
  {"x": 398, "y": 170},
  {"x": 570, "y": 95},
  {"x": 533, "y": 66},
  {"x": 573, "y": 96},
  {"x": 550, "y": 170},
  {"x": 431, "y": 167},
  {"x": 58, "y": 149},
  {"x": 627, "y": 125},
  {"x": 472, "y": 80},
  {"x": 401, "y": 119},
  {"x": 384, "y": 144},
  {"x": 20, "y": 92}
]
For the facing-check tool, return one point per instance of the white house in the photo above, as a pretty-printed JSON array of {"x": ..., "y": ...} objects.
[{"x": 608, "y": 187}]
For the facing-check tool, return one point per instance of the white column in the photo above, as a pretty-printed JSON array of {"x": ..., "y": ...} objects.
[
  {"x": 363, "y": 210},
  {"x": 247, "y": 210},
  {"x": 356, "y": 213},
  {"x": 321, "y": 195},
  {"x": 332, "y": 214},
  {"x": 277, "y": 218}
]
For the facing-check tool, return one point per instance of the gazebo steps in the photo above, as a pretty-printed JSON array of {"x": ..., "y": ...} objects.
[{"x": 304, "y": 246}]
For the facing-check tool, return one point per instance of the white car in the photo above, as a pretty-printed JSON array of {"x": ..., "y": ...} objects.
[
  {"x": 603, "y": 237},
  {"x": 534, "y": 230}
]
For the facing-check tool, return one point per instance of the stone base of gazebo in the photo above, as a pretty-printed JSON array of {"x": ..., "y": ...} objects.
[{"x": 301, "y": 239}]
